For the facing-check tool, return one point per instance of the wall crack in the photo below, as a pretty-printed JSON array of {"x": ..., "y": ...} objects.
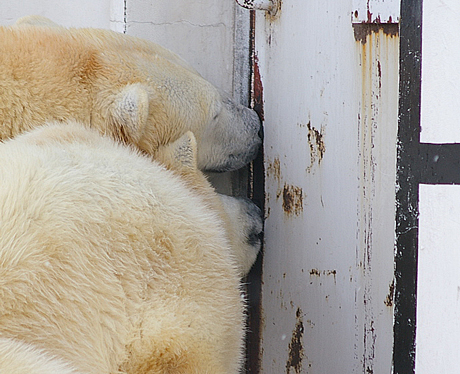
[{"x": 220, "y": 24}]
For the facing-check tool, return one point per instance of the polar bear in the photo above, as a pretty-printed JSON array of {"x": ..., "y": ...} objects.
[
  {"x": 113, "y": 263},
  {"x": 129, "y": 88}
]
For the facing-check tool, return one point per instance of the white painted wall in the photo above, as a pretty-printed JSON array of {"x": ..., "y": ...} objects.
[
  {"x": 440, "y": 108},
  {"x": 330, "y": 105},
  {"x": 438, "y": 288},
  {"x": 438, "y": 277},
  {"x": 198, "y": 30},
  {"x": 382, "y": 11},
  {"x": 81, "y": 13}
]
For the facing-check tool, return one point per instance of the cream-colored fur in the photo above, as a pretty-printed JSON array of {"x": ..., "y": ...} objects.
[
  {"x": 134, "y": 90},
  {"x": 110, "y": 263},
  {"x": 242, "y": 218},
  {"x": 17, "y": 357}
]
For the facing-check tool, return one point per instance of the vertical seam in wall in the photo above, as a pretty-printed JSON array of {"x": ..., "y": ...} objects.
[{"x": 125, "y": 22}]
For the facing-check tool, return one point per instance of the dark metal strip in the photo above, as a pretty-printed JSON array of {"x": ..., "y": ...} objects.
[
  {"x": 439, "y": 163},
  {"x": 407, "y": 187}
]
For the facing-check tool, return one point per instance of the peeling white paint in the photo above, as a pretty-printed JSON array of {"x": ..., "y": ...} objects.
[
  {"x": 379, "y": 60},
  {"x": 376, "y": 11},
  {"x": 333, "y": 260}
]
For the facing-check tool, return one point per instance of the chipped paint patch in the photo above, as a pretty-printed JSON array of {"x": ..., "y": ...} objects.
[
  {"x": 315, "y": 272},
  {"x": 291, "y": 196},
  {"x": 324, "y": 272},
  {"x": 257, "y": 90},
  {"x": 274, "y": 169},
  {"x": 292, "y": 200},
  {"x": 296, "y": 350},
  {"x": 363, "y": 30},
  {"x": 318, "y": 273},
  {"x": 390, "y": 297},
  {"x": 377, "y": 46},
  {"x": 375, "y": 11},
  {"x": 317, "y": 147}
]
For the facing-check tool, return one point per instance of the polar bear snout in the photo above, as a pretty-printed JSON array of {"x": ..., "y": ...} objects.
[
  {"x": 252, "y": 227},
  {"x": 244, "y": 227},
  {"x": 251, "y": 133},
  {"x": 232, "y": 141},
  {"x": 254, "y": 237},
  {"x": 252, "y": 120},
  {"x": 254, "y": 224}
]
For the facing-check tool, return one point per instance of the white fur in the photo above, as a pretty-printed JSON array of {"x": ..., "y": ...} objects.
[
  {"x": 129, "y": 88},
  {"x": 17, "y": 357},
  {"x": 110, "y": 263}
]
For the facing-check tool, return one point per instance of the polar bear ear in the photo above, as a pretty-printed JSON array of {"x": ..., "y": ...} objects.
[
  {"x": 36, "y": 21},
  {"x": 185, "y": 150},
  {"x": 180, "y": 155},
  {"x": 129, "y": 112}
]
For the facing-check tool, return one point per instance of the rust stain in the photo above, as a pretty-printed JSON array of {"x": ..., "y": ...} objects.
[
  {"x": 257, "y": 90},
  {"x": 390, "y": 297},
  {"x": 370, "y": 337},
  {"x": 274, "y": 169},
  {"x": 275, "y": 12},
  {"x": 370, "y": 19},
  {"x": 317, "y": 147},
  {"x": 379, "y": 71},
  {"x": 292, "y": 200},
  {"x": 315, "y": 272},
  {"x": 331, "y": 272},
  {"x": 296, "y": 350},
  {"x": 363, "y": 30},
  {"x": 318, "y": 273}
]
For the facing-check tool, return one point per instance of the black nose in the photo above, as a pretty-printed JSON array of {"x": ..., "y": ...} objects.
[
  {"x": 261, "y": 132},
  {"x": 254, "y": 239}
]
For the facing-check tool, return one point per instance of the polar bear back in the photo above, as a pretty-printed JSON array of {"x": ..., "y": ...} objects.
[{"x": 108, "y": 261}]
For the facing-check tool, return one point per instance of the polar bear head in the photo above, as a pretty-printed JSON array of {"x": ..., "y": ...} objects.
[
  {"x": 242, "y": 219},
  {"x": 227, "y": 134},
  {"x": 130, "y": 88}
]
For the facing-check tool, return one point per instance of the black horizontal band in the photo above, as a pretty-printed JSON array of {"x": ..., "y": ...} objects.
[{"x": 439, "y": 163}]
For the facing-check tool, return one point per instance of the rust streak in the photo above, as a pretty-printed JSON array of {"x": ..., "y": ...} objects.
[
  {"x": 274, "y": 169},
  {"x": 363, "y": 30},
  {"x": 315, "y": 272},
  {"x": 258, "y": 90},
  {"x": 317, "y": 147},
  {"x": 389, "y": 299},
  {"x": 292, "y": 200},
  {"x": 318, "y": 273},
  {"x": 296, "y": 350}
]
